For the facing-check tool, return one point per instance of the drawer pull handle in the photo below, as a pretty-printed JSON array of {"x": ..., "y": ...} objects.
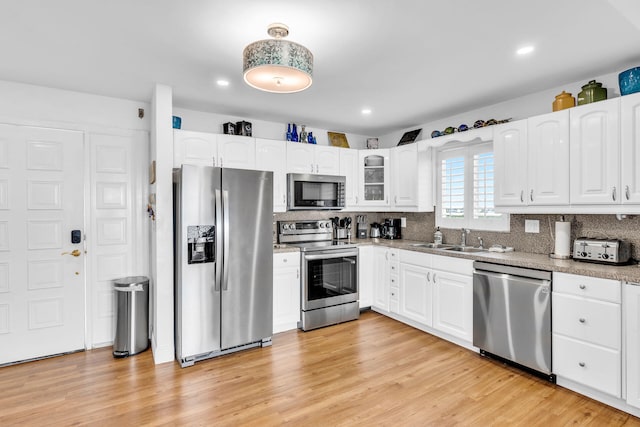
[
  {"x": 582, "y": 320},
  {"x": 583, "y": 287},
  {"x": 582, "y": 364}
]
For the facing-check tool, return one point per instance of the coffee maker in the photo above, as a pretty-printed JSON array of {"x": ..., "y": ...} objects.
[{"x": 391, "y": 228}]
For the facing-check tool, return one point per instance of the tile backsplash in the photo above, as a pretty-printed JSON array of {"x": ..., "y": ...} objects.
[{"x": 420, "y": 227}]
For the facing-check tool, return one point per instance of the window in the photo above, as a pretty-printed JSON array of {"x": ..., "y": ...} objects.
[{"x": 465, "y": 189}]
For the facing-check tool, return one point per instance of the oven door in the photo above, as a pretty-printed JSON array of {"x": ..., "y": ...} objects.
[{"x": 329, "y": 278}]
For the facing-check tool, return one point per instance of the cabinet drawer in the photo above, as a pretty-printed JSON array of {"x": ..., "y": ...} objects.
[
  {"x": 590, "y": 287},
  {"x": 416, "y": 258},
  {"x": 286, "y": 259},
  {"x": 394, "y": 301},
  {"x": 394, "y": 267},
  {"x": 587, "y": 364},
  {"x": 394, "y": 255},
  {"x": 594, "y": 321},
  {"x": 453, "y": 265}
]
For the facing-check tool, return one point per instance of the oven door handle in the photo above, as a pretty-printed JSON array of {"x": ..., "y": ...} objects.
[{"x": 331, "y": 255}]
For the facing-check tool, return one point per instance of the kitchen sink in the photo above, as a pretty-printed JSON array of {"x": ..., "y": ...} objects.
[
  {"x": 464, "y": 249},
  {"x": 432, "y": 245}
]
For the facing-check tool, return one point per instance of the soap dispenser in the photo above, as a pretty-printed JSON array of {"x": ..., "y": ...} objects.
[{"x": 437, "y": 236}]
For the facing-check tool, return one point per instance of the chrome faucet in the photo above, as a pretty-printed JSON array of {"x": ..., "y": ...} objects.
[
  {"x": 465, "y": 231},
  {"x": 481, "y": 242}
]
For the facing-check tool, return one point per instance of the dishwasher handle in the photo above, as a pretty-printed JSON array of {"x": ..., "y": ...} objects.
[{"x": 520, "y": 279}]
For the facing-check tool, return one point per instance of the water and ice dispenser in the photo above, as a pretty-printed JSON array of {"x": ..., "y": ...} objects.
[{"x": 201, "y": 243}]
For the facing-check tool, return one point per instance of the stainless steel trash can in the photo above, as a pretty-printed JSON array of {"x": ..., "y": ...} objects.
[{"x": 132, "y": 316}]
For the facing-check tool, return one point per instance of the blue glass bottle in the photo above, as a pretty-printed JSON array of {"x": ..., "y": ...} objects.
[
  {"x": 310, "y": 138},
  {"x": 288, "y": 131},
  {"x": 294, "y": 134}
]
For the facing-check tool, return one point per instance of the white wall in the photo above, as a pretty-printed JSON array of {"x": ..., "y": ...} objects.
[
  {"x": 210, "y": 122},
  {"x": 516, "y": 109}
]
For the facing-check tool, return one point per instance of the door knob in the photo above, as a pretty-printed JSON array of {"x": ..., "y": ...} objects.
[{"x": 74, "y": 252}]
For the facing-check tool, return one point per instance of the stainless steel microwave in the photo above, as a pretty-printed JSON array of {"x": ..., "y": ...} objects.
[{"x": 315, "y": 192}]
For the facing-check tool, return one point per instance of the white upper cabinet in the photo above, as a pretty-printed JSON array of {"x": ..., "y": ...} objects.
[
  {"x": 630, "y": 149},
  {"x": 199, "y": 148},
  {"x": 548, "y": 159},
  {"x": 595, "y": 153},
  {"x": 510, "y": 156},
  {"x": 311, "y": 158},
  {"x": 373, "y": 168},
  {"x": 235, "y": 151},
  {"x": 271, "y": 155},
  {"x": 404, "y": 171},
  {"x": 349, "y": 169}
]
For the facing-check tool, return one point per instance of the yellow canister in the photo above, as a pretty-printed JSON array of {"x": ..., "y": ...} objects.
[{"x": 563, "y": 101}]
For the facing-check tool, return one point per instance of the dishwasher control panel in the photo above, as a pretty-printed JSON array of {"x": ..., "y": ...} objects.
[{"x": 608, "y": 251}]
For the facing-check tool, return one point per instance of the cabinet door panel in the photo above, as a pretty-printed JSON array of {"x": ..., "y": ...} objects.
[
  {"x": 632, "y": 344},
  {"x": 510, "y": 154},
  {"x": 327, "y": 160},
  {"x": 630, "y": 107},
  {"x": 193, "y": 148},
  {"x": 404, "y": 173},
  {"x": 416, "y": 293},
  {"x": 453, "y": 304},
  {"x": 366, "y": 276},
  {"x": 595, "y": 153},
  {"x": 349, "y": 169},
  {"x": 548, "y": 159},
  {"x": 591, "y": 365},
  {"x": 300, "y": 158},
  {"x": 286, "y": 291},
  {"x": 235, "y": 151},
  {"x": 271, "y": 155}
]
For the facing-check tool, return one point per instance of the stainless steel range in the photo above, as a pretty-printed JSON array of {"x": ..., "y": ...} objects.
[{"x": 329, "y": 273}]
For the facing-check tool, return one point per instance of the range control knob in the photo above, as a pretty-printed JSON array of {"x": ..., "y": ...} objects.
[
  {"x": 583, "y": 254},
  {"x": 293, "y": 226},
  {"x": 285, "y": 226},
  {"x": 322, "y": 225}
]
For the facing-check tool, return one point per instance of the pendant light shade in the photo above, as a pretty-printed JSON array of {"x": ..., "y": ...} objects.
[{"x": 277, "y": 65}]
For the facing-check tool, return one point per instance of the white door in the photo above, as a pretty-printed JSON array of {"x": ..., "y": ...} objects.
[
  {"x": 548, "y": 149},
  {"x": 42, "y": 310}
]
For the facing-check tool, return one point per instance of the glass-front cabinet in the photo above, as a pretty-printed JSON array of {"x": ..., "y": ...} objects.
[{"x": 374, "y": 177}]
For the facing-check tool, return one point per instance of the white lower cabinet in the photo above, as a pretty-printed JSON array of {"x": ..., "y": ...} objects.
[
  {"x": 632, "y": 327},
  {"x": 416, "y": 292},
  {"x": 587, "y": 331},
  {"x": 385, "y": 267},
  {"x": 453, "y": 303},
  {"x": 286, "y": 291},
  {"x": 365, "y": 275}
]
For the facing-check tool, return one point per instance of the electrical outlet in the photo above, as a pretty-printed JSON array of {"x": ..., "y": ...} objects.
[
  {"x": 403, "y": 221},
  {"x": 531, "y": 226}
]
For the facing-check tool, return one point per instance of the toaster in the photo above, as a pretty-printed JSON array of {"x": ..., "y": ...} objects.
[{"x": 606, "y": 251}]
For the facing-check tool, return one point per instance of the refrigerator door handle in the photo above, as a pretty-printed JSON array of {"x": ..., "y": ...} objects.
[
  {"x": 225, "y": 207},
  {"x": 219, "y": 264}
]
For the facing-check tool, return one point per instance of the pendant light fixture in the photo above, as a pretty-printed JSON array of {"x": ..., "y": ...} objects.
[{"x": 277, "y": 65}]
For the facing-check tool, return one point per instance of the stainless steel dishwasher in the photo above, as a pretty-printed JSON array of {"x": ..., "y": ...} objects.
[{"x": 512, "y": 315}]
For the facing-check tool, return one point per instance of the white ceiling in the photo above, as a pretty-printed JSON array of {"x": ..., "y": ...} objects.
[{"x": 409, "y": 61}]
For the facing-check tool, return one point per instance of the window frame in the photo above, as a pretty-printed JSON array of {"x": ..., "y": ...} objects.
[{"x": 467, "y": 151}]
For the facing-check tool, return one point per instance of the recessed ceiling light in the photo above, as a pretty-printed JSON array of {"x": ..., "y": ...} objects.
[
  {"x": 525, "y": 50},
  {"x": 223, "y": 83},
  {"x": 366, "y": 111}
]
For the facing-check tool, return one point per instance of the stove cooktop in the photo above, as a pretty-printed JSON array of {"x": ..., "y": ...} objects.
[{"x": 323, "y": 245}]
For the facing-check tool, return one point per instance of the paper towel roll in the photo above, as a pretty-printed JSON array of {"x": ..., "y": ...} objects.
[{"x": 563, "y": 238}]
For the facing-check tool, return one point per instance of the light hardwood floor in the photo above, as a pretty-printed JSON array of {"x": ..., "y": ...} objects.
[{"x": 374, "y": 371}]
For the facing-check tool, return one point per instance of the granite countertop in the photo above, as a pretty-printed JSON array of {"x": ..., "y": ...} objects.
[{"x": 628, "y": 273}]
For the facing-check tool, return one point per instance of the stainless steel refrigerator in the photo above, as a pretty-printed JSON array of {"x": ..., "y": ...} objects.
[{"x": 223, "y": 256}]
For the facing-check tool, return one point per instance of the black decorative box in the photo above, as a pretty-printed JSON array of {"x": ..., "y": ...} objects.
[
  {"x": 229, "y": 128},
  {"x": 243, "y": 128}
]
